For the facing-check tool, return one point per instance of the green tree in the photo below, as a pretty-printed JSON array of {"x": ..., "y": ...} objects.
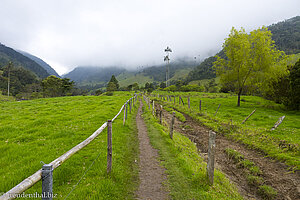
[
  {"x": 55, "y": 87},
  {"x": 249, "y": 58},
  {"x": 295, "y": 86},
  {"x": 115, "y": 81}
]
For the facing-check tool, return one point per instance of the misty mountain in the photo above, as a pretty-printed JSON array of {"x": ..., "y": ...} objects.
[
  {"x": 286, "y": 35},
  {"x": 42, "y": 63},
  {"x": 97, "y": 77},
  {"x": 87, "y": 75},
  {"x": 19, "y": 60}
]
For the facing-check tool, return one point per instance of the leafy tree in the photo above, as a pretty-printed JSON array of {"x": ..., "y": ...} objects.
[
  {"x": 249, "y": 58},
  {"x": 295, "y": 86},
  {"x": 162, "y": 85},
  {"x": 135, "y": 86},
  {"x": 113, "y": 84},
  {"x": 115, "y": 81},
  {"x": 55, "y": 87},
  {"x": 98, "y": 92}
]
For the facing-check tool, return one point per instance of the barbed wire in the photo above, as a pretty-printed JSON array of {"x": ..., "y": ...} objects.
[{"x": 82, "y": 176}]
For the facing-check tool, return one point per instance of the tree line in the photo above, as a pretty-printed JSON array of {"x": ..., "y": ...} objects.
[{"x": 24, "y": 84}]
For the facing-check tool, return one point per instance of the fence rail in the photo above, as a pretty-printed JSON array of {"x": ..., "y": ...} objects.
[{"x": 37, "y": 176}]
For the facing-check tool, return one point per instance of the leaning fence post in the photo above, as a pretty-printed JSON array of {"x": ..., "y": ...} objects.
[
  {"x": 124, "y": 117},
  {"x": 217, "y": 109},
  {"x": 47, "y": 182},
  {"x": 109, "y": 146},
  {"x": 172, "y": 125},
  {"x": 277, "y": 123},
  {"x": 249, "y": 116},
  {"x": 211, "y": 156}
]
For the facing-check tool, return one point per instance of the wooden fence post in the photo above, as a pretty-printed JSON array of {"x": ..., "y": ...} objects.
[
  {"x": 109, "y": 146},
  {"x": 211, "y": 156},
  {"x": 160, "y": 115},
  {"x": 217, "y": 110},
  {"x": 153, "y": 108},
  {"x": 189, "y": 103},
  {"x": 47, "y": 182},
  {"x": 124, "y": 117},
  {"x": 172, "y": 125},
  {"x": 126, "y": 109},
  {"x": 249, "y": 116},
  {"x": 200, "y": 105},
  {"x": 149, "y": 104},
  {"x": 130, "y": 103}
]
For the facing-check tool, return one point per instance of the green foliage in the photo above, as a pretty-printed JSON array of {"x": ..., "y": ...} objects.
[
  {"x": 55, "y": 87},
  {"x": 191, "y": 88},
  {"x": 113, "y": 84},
  {"x": 267, "y": 192},
  {"x": 295, "y": 86},
  {"x": 286, "y": 35},
  {"x": 20, "y": 79},
  {"x": 249, "y": 58},
  {"x": 234, "y": 155},
  {"x": 286, "y": 89}
]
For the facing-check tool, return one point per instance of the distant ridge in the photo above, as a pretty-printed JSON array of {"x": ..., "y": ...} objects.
[
  {"x": 8, "y": 54},
  {"x": 42, "y": 63}
]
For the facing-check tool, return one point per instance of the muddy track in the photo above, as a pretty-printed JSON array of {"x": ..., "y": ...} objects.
[{"x": 274, "y": 173}]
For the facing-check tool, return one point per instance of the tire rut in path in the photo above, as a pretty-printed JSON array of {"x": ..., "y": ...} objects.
[
  {"x": 151, "y": 174},
  {"x": 275, "y": 173}
]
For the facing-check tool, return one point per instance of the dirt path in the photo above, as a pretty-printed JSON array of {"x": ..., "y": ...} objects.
[
  {"x": 274, "y": 173},
  {"x": 151, "y": 173}
]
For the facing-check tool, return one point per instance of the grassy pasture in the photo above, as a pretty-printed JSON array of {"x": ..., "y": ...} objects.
[
  {"x": 44, "y": 129},
  {"x": 282, "y": 143}
]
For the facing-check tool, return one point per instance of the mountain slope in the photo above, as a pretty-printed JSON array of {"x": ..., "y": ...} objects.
[
  {"x": 8, "y": 54},
  {"x": 286, "y": 35},
  {"x": 42, "y": 63},
  {"x": 86, "y": 75}
]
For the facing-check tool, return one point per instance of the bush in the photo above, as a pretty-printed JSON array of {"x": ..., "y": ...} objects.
[{"x": 267, "y": 192}]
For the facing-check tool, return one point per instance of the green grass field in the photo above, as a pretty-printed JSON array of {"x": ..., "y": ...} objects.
[
  {"x": 282, "y": 143},
  {"x": 44, "y": 129}
]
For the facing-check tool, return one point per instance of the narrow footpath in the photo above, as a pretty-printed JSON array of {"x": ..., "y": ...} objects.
[{"x": 151, "y": 174}]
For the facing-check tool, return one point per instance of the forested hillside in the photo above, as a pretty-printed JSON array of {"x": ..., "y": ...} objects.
[
  {"x": 42, "y": 63},
  {"x": 286, "y": 35},
  {"x": 8, "y": 54}
]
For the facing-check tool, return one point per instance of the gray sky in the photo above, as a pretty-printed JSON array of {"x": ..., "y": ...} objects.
[{"x": 131, "y": 33}]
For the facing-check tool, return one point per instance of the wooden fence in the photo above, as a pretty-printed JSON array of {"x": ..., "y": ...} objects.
[{"x": 47, "y": 169}]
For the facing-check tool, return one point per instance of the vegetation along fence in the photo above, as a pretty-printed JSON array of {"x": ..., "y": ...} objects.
[{"x": 47, "y": 170}]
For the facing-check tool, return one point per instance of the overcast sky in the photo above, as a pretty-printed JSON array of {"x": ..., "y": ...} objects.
[{"x": 131, "y": 33}]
